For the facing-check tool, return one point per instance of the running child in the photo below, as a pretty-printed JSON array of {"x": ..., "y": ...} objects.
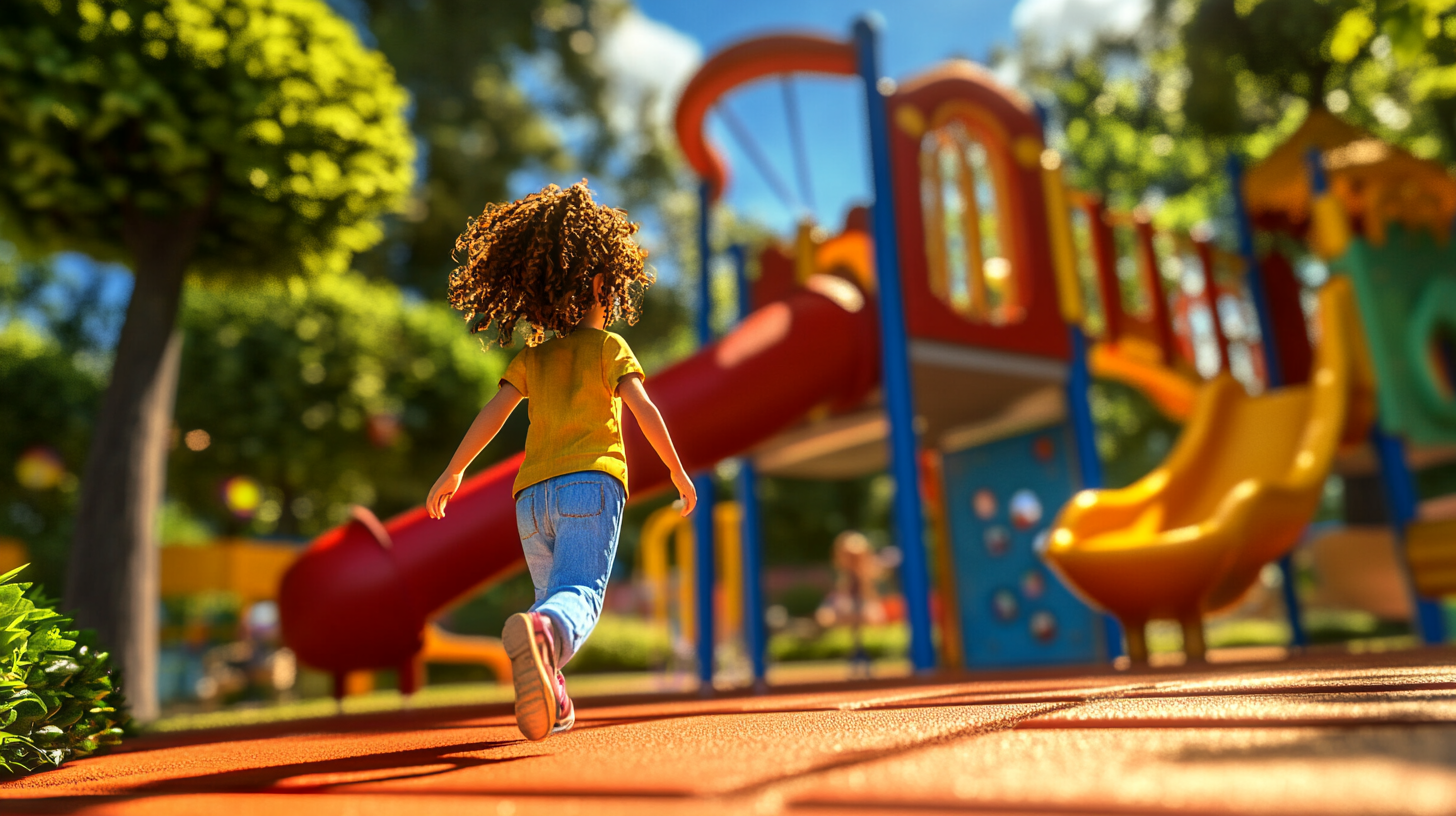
[{"x": 561, "y": 263}]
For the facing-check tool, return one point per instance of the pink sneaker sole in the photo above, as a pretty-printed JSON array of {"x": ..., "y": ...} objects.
[{"x": 533, "y": 677}]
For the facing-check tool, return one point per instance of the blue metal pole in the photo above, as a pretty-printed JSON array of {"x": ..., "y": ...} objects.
[
  {"x": 754, "y": 628},
  {"x": 1402, "y": 503},
  {"x": 1089, "y": 463},
  {"x": 704, "y": 316},
  {"x": 1273, "y": 370},
  {"x": 703, "y": 516},
  {"x": 1079, "y": 407},
  {"x": 895, "y": 356},
  {"x": 1084, "y": 433}
]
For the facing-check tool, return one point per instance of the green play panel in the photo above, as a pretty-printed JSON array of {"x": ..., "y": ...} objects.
[{"x": 1407, "y": 294}]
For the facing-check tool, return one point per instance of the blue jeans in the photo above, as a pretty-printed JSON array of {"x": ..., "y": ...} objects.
[{"x": 569, "y": 526}]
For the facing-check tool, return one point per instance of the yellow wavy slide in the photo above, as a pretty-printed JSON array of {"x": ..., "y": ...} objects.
[{"x": 1236, "y": 492}]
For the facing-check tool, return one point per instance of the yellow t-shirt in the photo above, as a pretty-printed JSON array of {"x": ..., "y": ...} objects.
[{"x": 570, "y": 385}]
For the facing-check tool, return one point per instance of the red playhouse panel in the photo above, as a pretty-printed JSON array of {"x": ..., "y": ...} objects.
[
  {"x": 1210, "y": 299},
  {"x": 1291, "y": 331},
  {"x": 962, "y": 98}
]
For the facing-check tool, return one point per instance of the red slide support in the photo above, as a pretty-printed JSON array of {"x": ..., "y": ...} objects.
[{"x": 360, "y": 596}]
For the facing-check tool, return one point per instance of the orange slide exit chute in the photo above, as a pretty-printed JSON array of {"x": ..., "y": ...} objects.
[
  {"x": 1128, "y": 362},
  {"x": 740, "y": 64}
]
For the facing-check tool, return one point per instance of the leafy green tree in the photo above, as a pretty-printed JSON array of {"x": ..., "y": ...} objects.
[
  {"x": 1154, "y": 114},
  {"x": 230, "y": 137},
  {"x": 339, "y": 391},
  {"x": 50, "y": 404},
  {"x": 1132, "y": 437},
  {"x": 497, "y": 87}
]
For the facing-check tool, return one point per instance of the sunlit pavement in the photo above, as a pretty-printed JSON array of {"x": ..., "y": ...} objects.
[{"x": 1369, "y": 734}]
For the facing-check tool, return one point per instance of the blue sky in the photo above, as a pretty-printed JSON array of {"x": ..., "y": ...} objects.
[{"x": 917, "y": 34}]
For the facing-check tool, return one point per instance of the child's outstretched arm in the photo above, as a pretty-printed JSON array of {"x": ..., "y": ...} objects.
[
  {"x": 486, "y": 425},
  {"x": 650, "y": 421}
]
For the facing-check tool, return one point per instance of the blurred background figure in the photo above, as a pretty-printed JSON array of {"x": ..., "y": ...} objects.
[{"x": 855, "y": 600}]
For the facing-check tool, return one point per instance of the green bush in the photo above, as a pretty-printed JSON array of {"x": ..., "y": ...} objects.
[
  {"x": 838, "y": 644},
  {"x": 57, "y": 701},
  {"x": 622, "y": 644}
]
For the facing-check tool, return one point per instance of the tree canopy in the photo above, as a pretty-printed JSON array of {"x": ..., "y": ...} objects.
[
  {"x": 497, "y": 87},
  {"x": 338, "y": 390},
  {"x": 1158, "y": 110},
  {"x": 268, "y": 114}
]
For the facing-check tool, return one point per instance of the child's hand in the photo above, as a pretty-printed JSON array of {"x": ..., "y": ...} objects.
[
  {"x": 440, "y": 494},
  {"x": 686, "y": 490}
]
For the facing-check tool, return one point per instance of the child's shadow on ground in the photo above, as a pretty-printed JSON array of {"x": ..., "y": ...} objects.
[{"x": 305, "y": 777}]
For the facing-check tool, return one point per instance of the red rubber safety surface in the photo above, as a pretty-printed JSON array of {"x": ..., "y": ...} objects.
[{"x": 1372, "y": 734}]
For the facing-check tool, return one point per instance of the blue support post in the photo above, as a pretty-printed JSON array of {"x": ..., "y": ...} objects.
[
  {"x": 1089, "y": 464},
  {"x": 1084, "y": 434},
  {"x": 755, "y": 630},
  {"x": 704, "y": 551},
  {"x": 1273, "y": 370},
  {"x": 704, "y": 321},
  {"x": 895, "y": 356},
  {"x": 1402, "y": 503}
]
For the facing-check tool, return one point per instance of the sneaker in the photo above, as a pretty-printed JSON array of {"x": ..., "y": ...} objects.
[
  {"x": 565, "y": 710},
  {"x": 530, "y": 643}
]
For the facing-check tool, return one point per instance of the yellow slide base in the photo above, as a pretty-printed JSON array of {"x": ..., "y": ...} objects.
[{"x": 1431, "y": 550}]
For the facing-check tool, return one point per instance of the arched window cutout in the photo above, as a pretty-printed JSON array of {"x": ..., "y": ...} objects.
[{"x": 967, "y": 234}]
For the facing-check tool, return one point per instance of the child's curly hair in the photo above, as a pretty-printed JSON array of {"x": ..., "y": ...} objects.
[{"x": 534, "y": 260}]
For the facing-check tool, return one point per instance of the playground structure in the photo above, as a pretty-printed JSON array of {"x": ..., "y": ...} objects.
[
  {"x": 1337, "y": 189},
  {"x": 980, "y": 296},
  {"x": 667, "y": 524}
]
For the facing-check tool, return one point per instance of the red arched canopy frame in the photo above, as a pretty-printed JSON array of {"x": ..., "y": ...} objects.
[{"x": 741, "y": 64}]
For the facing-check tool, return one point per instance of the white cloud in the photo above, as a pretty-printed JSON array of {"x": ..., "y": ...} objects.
[
  {"x": 1056, "y": 26},
  {"x": 646, "y": 63}
]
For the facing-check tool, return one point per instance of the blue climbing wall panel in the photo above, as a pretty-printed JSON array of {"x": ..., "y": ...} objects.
[{"x": 1001, "y": 496}]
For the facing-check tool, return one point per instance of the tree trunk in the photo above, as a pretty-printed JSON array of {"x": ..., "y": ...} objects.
[{"x": 112, "y": 580}]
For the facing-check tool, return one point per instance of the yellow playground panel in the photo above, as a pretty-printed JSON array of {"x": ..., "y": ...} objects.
[
  {"x": 1236, "y": 492},
  {"x": 668, "y": 524},
  {"x": 248, "y": 569},
  {"x": 13, "y": 554}
]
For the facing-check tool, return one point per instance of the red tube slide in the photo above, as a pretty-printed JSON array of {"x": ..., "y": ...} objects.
[{"x": 360, "y": 595}]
